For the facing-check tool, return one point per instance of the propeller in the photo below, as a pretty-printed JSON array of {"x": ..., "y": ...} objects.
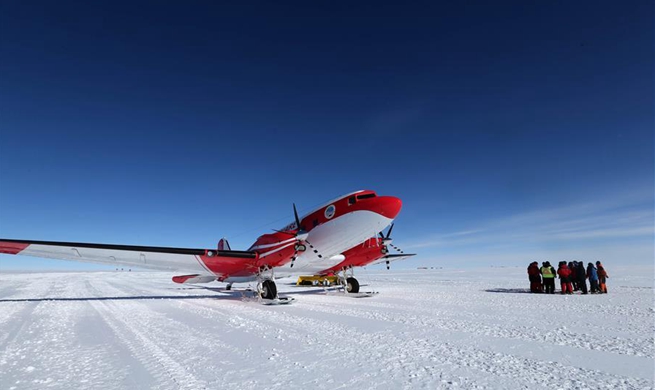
[
  {"x": 299, "y": 232},
  {"x": 386, "y": 241},
  {"x": 301, "y": 235}
]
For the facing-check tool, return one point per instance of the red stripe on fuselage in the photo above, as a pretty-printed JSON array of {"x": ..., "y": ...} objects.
[{"x": 12, "y": 248}]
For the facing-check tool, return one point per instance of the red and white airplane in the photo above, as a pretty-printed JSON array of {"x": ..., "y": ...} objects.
[{"x": 330, "y": 240}]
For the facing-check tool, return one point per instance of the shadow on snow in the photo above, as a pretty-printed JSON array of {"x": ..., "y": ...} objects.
[
  {"x": 127, "y": 298},
  {"x": 509, "y": 290},
  {"x": 223, "y": 294}
]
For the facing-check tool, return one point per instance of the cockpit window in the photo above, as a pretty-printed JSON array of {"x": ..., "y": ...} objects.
[
  {"x": 366, "y": 196},
  {"x": 351, "y": 200}
]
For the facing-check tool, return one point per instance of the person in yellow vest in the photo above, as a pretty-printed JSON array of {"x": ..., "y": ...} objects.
[{"x": 548, "y": 274}]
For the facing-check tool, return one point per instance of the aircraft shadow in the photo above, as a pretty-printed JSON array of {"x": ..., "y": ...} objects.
[
  {"x": 237, "y": 296},
  {"x": 224, "y": 294},
  {"x": 509, "y": 290}
]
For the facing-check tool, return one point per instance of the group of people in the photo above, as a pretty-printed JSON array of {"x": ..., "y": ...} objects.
[{"x": 573, "y": 277}]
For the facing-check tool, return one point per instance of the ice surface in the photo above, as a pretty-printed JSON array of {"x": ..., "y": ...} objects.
[{"x": 463, "y": 329}]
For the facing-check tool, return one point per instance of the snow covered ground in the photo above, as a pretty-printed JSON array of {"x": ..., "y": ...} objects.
[{"x": 463, "y": 329}]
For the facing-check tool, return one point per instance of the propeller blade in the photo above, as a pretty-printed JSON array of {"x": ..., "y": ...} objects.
[
  {"x": 396, "y": 248},
  {"x": 295, "y": 214},
  {"x": 389, "y": 232},
  {"x": 381, "y": 235}
]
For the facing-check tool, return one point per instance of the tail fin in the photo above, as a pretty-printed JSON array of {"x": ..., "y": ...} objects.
[{"x": 223, "y": 245}]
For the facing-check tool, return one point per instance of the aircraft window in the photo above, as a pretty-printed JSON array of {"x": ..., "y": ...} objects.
[
  {"x": 351, "y": 200},
  {"x": 315, "y": 222},
  {"x": 365, "y": 196}
]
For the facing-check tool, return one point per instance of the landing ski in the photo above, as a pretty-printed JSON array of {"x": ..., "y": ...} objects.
[
  {"x": 277, "y": 301},
  {"x": 361, "y": 294}
]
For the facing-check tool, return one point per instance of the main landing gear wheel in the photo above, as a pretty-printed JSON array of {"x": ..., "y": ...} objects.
[
  {"x": 269, "y": 290},
  {"x": 352, "y": 285}
]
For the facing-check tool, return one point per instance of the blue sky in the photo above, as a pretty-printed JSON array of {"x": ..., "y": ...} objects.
[{"x": 512, "y": 132}]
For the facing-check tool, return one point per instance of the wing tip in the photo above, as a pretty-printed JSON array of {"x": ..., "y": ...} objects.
[{"x": 12, "y": 247}]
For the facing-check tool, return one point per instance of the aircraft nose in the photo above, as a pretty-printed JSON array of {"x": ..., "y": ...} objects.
[{"x": 388, "y": 206}]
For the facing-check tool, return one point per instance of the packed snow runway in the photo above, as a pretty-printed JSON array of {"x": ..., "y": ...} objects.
[{"x": 464, "y": 329}]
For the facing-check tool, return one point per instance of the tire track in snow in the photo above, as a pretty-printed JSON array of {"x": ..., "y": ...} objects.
[
  {"x": 168, "y": 373},
  {"x": 13, "y": 314},
  {"x": 47, "y": 351},
  {"x": 127, "y": 320},
  {"x": 203, "y": 339},
  {"x": 253, "y": 366}
]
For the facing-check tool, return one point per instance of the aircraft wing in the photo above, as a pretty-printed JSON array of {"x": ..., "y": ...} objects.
[
  {"x": 157, "y": 258},
  {"x": 391, "y": 258}
]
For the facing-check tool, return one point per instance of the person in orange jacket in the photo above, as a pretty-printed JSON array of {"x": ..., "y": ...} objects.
[
  {"x": 602, "y": 277},
  {"x": 564, "y": 273}
]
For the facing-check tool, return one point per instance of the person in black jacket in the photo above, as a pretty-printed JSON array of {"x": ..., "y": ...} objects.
[
  {"x": 582, "y": 277},
  {"x": 572, "y": 277}
]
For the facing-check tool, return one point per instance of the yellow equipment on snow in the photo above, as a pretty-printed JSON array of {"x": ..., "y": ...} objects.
[{"x": 317, "y": 280}]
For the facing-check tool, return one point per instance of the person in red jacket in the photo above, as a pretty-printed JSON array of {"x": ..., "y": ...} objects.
[
  {"x": 564, "y": 273},
  {"x": 535, "y": 278}
]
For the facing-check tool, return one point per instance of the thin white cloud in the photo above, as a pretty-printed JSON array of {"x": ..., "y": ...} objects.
[
  {"x": 614, "y": 255},
  {"x": 463, "y": 233},
  {"x": 619, "y": 218}
]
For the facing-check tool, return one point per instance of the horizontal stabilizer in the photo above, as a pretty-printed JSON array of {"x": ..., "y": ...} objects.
[{"x": 194, "y": 279}]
